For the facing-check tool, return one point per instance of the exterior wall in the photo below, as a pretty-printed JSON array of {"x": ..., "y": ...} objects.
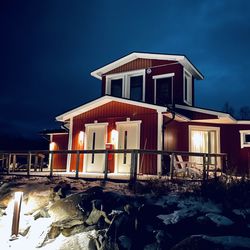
[
  {"x": 60, "y": 143},
  {"x": 114, "y": 112},
  {"x": 176, "y": 138},
  {"x": 158, "y": 67}
]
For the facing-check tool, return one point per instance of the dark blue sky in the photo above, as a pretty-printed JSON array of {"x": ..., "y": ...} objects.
[{"x": 49, "y": 48}]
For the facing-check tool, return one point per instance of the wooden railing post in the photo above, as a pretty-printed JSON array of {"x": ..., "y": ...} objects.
[
  {"x": 215, "y": 166},
  {"x": 29, "y": 163},
  {"x": 51, "y": 165},
  {"x": 208, "y": 165},
  {"x": 36, "y": 163},
  {"x": 77, "y": 164},
  {"x": 7, "y": 164},
  {"x": 3, "y": 158},
  {"x": 172, "y": 166},
  {"x": 10, "y": 158},
  {"x": 106, "y": 166},
  {"x": 14, "y": 162},
  {"x": 204, "y": 167}
]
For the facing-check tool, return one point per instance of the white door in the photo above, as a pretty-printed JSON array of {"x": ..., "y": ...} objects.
[
  {"x": 204, "y": 140},
  {"x": 96, "y": 135},
  {"x": 128, "y": 138}
]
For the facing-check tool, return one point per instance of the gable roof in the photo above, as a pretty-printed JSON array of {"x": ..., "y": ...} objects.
[
  {"x": 103, "y": 100},
  {"x": 183, "y": 60}
]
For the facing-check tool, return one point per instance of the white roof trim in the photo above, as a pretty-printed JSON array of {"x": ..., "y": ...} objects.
[
  {"x": 179, "y": 58},
  {"x": 247, "y": 122},
  {"x": 205, "y": 111},
  {"x": 103, "y": 100}
]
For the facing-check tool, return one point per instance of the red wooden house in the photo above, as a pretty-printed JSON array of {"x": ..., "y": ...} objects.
[{"x": 140, "y": 94}]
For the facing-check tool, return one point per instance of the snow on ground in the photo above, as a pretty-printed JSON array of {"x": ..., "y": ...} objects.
[{"x": 187, "y": 207}]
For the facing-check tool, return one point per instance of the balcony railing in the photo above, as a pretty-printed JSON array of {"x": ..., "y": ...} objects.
[{"x": 171, "y": 164}]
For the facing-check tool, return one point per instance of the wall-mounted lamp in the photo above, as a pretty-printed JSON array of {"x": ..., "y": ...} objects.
[
  {"x": 81, "y": 138},
  {"x": 114, "y": 137},
  {"x": 52, "y": 146}
]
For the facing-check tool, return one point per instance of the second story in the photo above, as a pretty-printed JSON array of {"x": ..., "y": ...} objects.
[{"x": 152, "y": 78}]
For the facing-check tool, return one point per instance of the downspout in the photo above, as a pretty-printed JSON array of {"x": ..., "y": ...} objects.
[{"x": 164, "y": 165}]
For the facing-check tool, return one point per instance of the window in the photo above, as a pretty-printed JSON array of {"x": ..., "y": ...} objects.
[
  {"x": 129, "y": 85},
  {"x": 245, "y": 138},
  {"x": 116, "y": 87},
  {"x": 136, "y": 88},
  {"x": 187, "y": 88},
  {"x": 163, "y": 89}
]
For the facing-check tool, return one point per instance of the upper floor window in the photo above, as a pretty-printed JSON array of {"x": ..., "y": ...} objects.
[
  {"x": 187, "y": 88},
  {"x": 116, "y": 86},
  {"x": 129, "y": 85},
  {"x": 244, "y": 138},
  {"x": 163, "y": 86}
]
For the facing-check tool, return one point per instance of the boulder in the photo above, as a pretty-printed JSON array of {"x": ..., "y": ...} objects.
[
  {"x": 220, "y": 220},
  {"x": 196, "y": 242},
  {"x": 66, "y": 209}
]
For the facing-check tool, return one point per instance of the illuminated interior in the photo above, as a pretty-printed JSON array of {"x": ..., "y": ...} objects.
[
  {"x": 114, "y": 138},
  {"x": 81, "y": 138}
]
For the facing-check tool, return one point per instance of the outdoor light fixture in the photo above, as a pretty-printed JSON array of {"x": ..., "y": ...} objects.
[
  {"x": 16, "y": 213},
  {"x": 52, "y": 146},
  {"x": 114, "y": 137},
  {"x": 81, "y": 137}
]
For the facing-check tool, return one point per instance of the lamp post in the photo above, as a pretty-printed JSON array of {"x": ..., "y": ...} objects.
[{"x": 16, "y": 213}]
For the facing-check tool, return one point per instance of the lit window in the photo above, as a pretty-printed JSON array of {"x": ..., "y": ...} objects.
[{"x": 244, "y": 138}]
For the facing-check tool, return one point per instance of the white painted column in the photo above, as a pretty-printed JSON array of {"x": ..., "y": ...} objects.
[
  {"x": 69, "y": 144},
  {"x": 159, "y": 141}
]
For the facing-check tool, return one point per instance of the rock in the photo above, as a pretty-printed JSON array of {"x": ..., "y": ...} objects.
[
  {"x": 36, "y": 200},
  {"x": 219, "y": 220},
  {"x": 5, "y": 199},
  {"x": 66, "y": 209},
  {"x": 62, "y": 189},
  {"x": 196, "y": 242},
  {"x": 54, "y": 232},
  {"x": 96, "y": 214}
]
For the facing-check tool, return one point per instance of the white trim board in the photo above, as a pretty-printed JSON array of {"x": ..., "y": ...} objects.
[
  {"x": 126, "y": 59},
  {"x": 103, "y": 100}
]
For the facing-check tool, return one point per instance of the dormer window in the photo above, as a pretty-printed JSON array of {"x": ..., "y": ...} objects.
[
  {"x": 129, "y": 85},
  {"x": 187, "y": 88},
  {"x": 116, "y": 87},
  {"x": 163, "y": 85}
]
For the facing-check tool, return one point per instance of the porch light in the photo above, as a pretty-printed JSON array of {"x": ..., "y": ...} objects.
[
  {"x": 114, "y": 137},
  {"x": 16, "y": 213},
  {"x": 81, "y": 137},
  {"x": 52, "y": 146}
]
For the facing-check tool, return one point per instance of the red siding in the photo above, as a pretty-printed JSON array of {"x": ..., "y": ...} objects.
[
  {"x": 176, "y": 138},
  {"x": 133, "y": 65},
  {"x": 158, "y": 67},
  {"x": 61, "y": 143},
  {"x": 113, "y": 112}
]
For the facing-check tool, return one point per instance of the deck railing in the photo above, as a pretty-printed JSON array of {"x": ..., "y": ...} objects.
[{"x": 173, "y": 164}]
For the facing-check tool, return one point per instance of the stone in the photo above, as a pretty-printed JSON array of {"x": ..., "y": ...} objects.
[
  {"x": 67, "y": 208},
  {"x": 196, "y": 242},
  {"x": 54, "y": 232},
  {"x": 220, "y": 220}
]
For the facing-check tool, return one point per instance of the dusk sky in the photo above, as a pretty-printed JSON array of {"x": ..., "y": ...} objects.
[{"x": 49, "y": 48}]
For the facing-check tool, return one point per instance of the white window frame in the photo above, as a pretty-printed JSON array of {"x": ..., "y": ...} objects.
[
  {"x": 125, "y": 76},
  {"x": 243, "y": 143},
  {"x": 169, "y": 75},
  {"x": 114, "y": 77},
  {"x": 205, "y": 128},
  {"x": 189, "y": 99}
]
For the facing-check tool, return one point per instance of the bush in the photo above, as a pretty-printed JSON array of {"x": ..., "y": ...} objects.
[{"x": 232, "y": 193}]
